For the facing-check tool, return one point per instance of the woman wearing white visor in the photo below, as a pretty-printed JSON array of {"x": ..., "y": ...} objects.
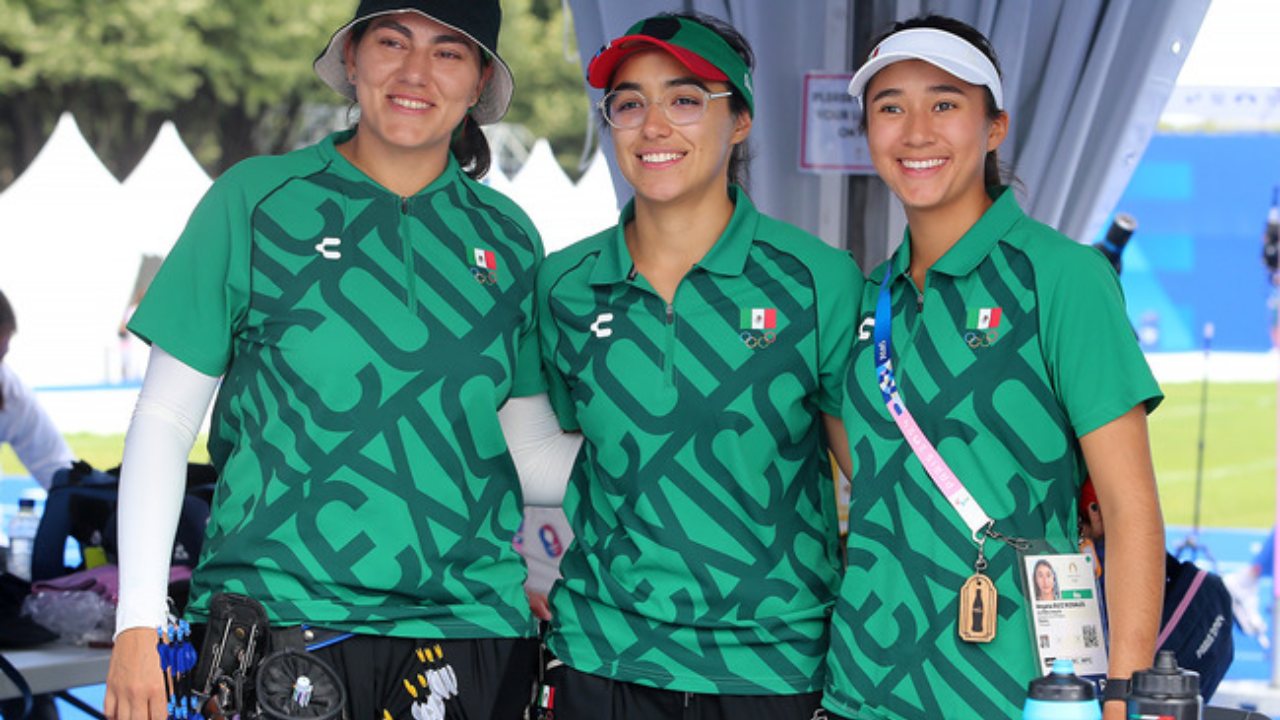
[{"x": 1002, "y": 350}]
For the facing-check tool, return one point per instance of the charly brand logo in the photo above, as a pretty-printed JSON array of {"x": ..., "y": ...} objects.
[
  {"x": 484, "y": 266},
  {"x": 329, "y": 248},
  {"x": 982, "y": 327},
  {"x": 864, "y": 330},
  {"x": 598, "y": 327},
  {"x": 758, "y": 327}
]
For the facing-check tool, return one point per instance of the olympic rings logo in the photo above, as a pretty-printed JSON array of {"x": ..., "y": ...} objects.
[
  {"x": 758, "y": 342},
  {"x": 980, "y": 339},
  {"x": 483, "y": 276}
]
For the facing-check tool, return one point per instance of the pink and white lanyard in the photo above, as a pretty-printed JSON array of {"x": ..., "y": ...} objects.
[{"x": 979, "y": 523}]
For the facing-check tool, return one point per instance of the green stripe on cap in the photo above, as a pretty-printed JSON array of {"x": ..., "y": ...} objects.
[{"x": 707, "y": 44}]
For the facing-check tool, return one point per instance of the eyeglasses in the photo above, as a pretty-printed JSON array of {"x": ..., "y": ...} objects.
[{"x": 683, "y": 105}]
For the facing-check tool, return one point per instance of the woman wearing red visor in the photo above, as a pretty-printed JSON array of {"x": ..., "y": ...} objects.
[{"x": 698, "y": 347}]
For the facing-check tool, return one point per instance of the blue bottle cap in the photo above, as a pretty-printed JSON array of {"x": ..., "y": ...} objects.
[{"x": 1061, "y": 685}]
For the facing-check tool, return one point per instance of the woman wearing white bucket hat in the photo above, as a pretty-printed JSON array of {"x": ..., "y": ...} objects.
[
  {"x": 368, "y": 307},
  {"x": 996, "y": 362}
]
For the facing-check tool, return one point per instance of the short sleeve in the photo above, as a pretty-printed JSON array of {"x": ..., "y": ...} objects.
[
  {"x": 839, "y": 288},
  {"x": 1097, "y": 369},
  {"x": 200, "y": 293},
  {"x": 528, "y": 378},
  {"x": 557, "y": 389}
]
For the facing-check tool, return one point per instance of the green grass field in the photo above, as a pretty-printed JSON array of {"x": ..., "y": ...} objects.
[
  {"x": 1239, "y": 477},
  {"x": 100, "y": 451},
  {"x": 1239, "y": 460}
]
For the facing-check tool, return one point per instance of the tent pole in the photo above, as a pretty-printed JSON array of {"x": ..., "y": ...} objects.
[
  {"x": 833, "y": 188},
  {"x": 1275, "y": 559}
]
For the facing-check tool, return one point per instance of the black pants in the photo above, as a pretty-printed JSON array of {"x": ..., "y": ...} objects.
[
  {"x": 575, "y": 695},
  {"x": 388, "y": 678},
  {"x": 485, "y": 679}
]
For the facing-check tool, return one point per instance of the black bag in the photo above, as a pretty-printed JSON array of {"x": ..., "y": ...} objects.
[
  {"x": 82, "y": 505},
  {"x": 1196, "y": 622},
  {"x": 250, "y": 671},
  {"x": 17, "y": 630}
]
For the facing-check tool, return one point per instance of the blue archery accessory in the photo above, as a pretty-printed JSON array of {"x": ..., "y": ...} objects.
[
  {"x": 1061, "y": 695},
  {"x": 177, "y": 659},
  {"x": 186, "y": 651}
]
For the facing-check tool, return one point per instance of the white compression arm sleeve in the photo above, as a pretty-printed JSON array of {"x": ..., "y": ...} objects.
[
  {"x": 171, "y": 406},
  {"x": 543, "y": 453}
]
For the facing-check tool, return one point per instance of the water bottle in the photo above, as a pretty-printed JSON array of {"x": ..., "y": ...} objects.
[
  {"x": 22, "y": 538},
  {"x": 1165, "y": 691},
  {"x": 1061, "y": 695}
]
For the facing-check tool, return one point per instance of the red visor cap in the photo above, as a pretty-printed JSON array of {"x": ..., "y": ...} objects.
[{"x": 604, "y": 64}]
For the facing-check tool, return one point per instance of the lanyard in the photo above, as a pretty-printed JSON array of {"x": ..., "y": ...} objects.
[{"x": 948, "y": 484}]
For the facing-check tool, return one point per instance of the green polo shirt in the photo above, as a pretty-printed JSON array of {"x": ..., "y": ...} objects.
[
  {"x": 1017, "y": 346},
  {"x": 366, "y": 342},
  {"x": 705, "y": 552}
]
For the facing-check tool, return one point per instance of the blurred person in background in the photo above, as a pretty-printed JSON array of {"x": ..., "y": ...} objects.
[
  {"x": 27, "y": 428},
  {"x": 24, "y": 424}
]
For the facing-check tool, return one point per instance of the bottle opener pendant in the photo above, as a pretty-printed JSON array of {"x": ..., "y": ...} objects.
[{"x": 978, "y": 598}]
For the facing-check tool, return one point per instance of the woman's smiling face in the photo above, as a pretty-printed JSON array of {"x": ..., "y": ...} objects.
[
  {"x": 415, "y": 79},
  {"x": 929, "y": 134},
  {"x": 664, "y": 162}
]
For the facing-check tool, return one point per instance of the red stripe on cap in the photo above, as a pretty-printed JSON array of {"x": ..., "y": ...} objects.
[
  {"x": 605, "y": 63},
  {"x": 1088, "y": 495}
]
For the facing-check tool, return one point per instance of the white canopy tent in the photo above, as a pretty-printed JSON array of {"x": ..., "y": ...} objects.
[
  {"x": 76, "y": 245},
  {"x": 161, "y": 191},
  {"x": 563, "y": 212},
  {"x": 594, "y": 192},
  {"x": 498, "y": 180},
  {"x": 64, "y": 262}
]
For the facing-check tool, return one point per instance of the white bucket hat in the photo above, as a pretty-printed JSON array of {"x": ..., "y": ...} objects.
[{"x": 479, "y": 20}]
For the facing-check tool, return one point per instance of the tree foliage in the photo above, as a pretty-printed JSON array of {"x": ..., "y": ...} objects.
[
  {"x": 124, "y": 66},
  {"x": 223, "y": 70},
  {"x": 538, "y": 43},
  {"x": 234, "y": 75}
]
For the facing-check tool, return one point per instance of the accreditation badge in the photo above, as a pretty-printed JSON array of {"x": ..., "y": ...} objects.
[{"x": 1065, "y": 611}]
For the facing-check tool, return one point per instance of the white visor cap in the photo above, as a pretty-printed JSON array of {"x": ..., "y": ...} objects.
[{"x": 936, "y": 47}]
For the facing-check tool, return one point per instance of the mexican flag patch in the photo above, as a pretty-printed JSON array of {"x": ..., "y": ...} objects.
[
  {"x": 983, "y": 318},
  {"x": 485, "y": 258},
  {"x": 547, "y": 698},
  {"x": 759, "y": 318}
]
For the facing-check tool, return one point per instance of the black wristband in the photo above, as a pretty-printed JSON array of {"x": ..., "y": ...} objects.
[{"x": 1115, "y": 689}]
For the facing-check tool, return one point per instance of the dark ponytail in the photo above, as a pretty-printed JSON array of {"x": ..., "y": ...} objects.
[
  {"x": 471, "y": 148},
  {"x": 8, "y": 326}
]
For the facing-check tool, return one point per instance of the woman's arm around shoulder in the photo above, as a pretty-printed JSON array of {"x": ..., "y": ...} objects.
[{"x": 543, "y": 453}]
